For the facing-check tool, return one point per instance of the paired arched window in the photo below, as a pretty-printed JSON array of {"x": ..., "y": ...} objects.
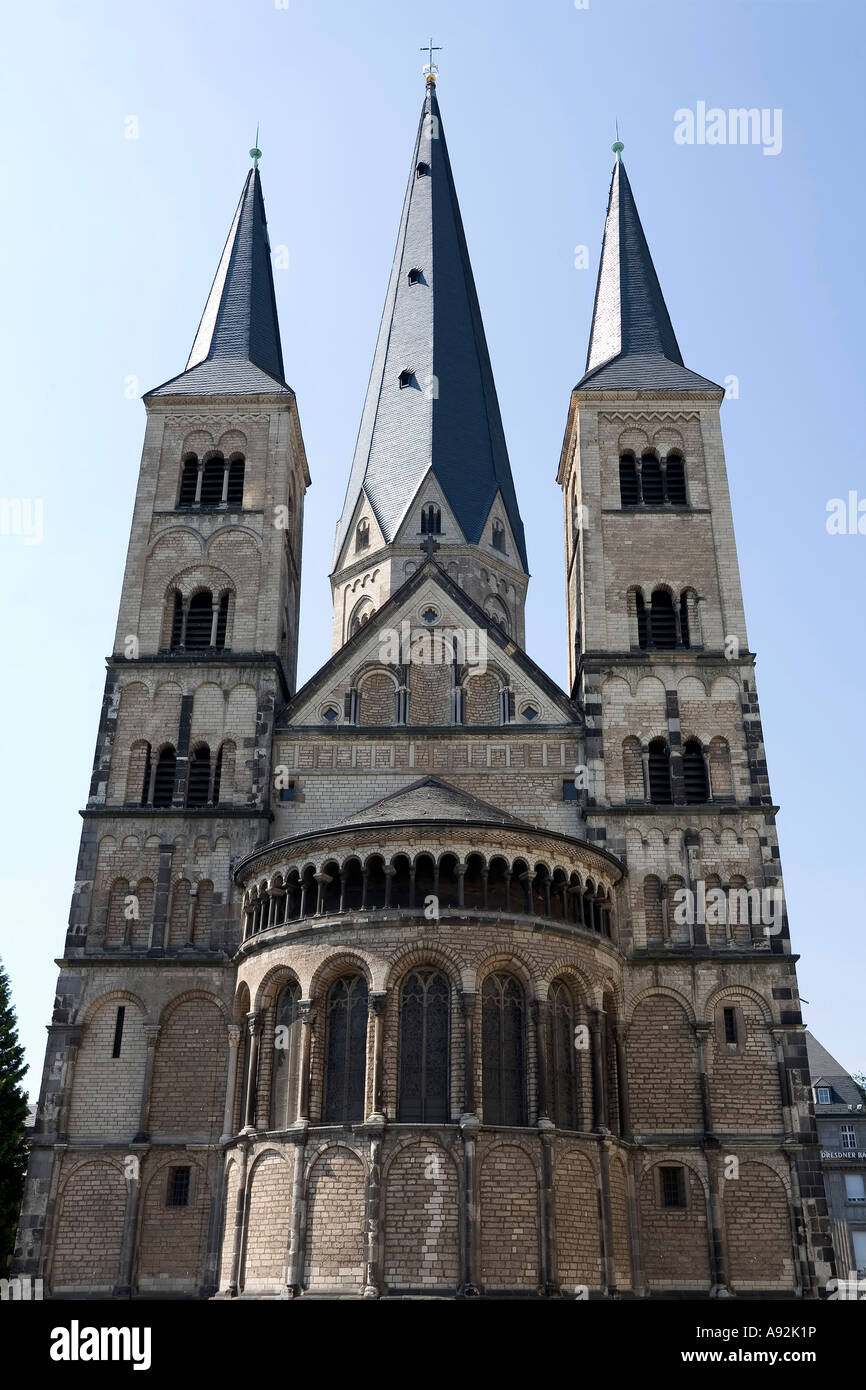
[
  {"x": 660, "y": 773},
  {"x": 503, "y": 1047},
  {"x": 425, "y": 1025},
  {"x": 666, "y": 624},
  {"x": 431, "y": 520},
  {"x": 287, "y": 1046},
  {"x": 652, "y": 483},
  {"x": 362, "y": 534},
  {"x": 498, "y": 536},
  {"x": 213, "y": 482},
  {"x": 563, "y": 1070},
  {"x": 345, "y": 1050},
  {"x": 199, "y": 623}
]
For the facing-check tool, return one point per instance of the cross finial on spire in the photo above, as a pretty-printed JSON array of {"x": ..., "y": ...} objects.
[
  {"x": 430, "y": 69},
  {"x": 618, "y": 147},
  {"x": 429, "y": 545},
  {"x": 255, "y": 152}
]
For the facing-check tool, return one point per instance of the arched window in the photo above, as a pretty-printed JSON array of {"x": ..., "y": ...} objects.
[
  {"x": 362, "y": 534},
  {"x": 651, "y": 481},
  {"x": 498, "y": 536},
  {"x": 695, "y": 772},
  {"x": 660, "y": 773},
  {"x": 675, "y": 478},
  {"x": 212, "y": 481},
  {"x": 346, "y": 1051},
  {"x": 287, "y": 1045},
  {"x": 198, "y": 784},
  {"x": 563, "y": 1072},
  {"x": 663, "y": 622},
  {"x": 188, "y": 482},
  {"x": 425, "y": 1009},
  {"x": 163, "y": 782},
  {"x": 431, "y": 520},
  {"x": 235, "y": 491},
  {"x": 199, "y": 621},
  {"x": 629, "y": 491},
  {"x": 502, "y": 1050}
]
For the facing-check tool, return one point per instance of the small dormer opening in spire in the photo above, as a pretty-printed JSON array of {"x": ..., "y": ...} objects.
[
  {"x": 416, "y": 276},
  {"x": 422, "y": 170},
  {"x": 406, "y": 378}
]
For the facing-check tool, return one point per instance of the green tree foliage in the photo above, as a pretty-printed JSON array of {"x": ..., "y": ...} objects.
[{"x": 13, "y": 1116}]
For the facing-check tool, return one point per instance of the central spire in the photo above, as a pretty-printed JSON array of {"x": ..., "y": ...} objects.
[{"x": 431, "y": 411}]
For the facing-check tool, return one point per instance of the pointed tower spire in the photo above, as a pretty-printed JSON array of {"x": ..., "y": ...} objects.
[
  {"x": 431, "y": 407},
  {"x": 237, "y": 346},
  {"x": 632, "y": 344}
]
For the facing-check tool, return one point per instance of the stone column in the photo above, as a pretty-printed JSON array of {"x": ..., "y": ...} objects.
[
  {"x": 779, "y": 1036},
  {"x": 234, "y": 1034},
  {"x": 373, "y": 1198},
  {"x": 214, "y": 621},
  {"x": 716, "y": 1222},
  {"x": 306, "y": 1010},
  {"x": 599, "y": 1087},
  {"x": 548, "y": 1225},
  {"x": 468, "y": 1000},
  {"x": 376, "y": 1006},
  {"x": 198, "y": 482},
  {"x": 151, "y": 1033},
  {"x": 322, "y": 880},
  {"x": 239, "y": 1218},
  {"x": 295, "y": 1260},
  {"x": 254, "y": 1025},
  {"x": 461, "y": 875},
  {"x": 701, "y": 1031},
  {"x": 541, "y": 1019},
  {"x": 390, "y": 871},
  {"x": 469, "y": 1126},
  {"x": 123, "y": 1286}
]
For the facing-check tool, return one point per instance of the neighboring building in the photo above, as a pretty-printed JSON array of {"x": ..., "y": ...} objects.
[
  {"x": 392, "y": 983},
  {"x": 840, "y": 1115}
]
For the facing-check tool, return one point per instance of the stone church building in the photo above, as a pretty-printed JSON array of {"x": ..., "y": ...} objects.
[{"x": 428, "y": 978}]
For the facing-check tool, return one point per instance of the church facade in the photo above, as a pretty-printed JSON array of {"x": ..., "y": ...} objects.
[{"x": 428, "y": 978}]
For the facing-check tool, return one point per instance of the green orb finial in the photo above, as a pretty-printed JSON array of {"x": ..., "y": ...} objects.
[{"x": 255, "y": 152}]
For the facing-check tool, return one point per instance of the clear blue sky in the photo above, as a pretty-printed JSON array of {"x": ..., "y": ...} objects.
[{"x": 109, "y": 246}]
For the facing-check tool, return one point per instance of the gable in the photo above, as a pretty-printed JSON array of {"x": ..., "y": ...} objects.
[{"x": 415, "y": 634}]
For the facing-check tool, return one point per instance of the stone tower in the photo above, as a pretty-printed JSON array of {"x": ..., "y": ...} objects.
[
  {"x": 204, "y": 653},
  {"x": 426, "y": 977}
]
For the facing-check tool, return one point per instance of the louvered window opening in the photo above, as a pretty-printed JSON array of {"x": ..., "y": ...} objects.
[
  {"x": 695, "y": 773},
  {"x": 663, "y": 622},
  {"x": 163, "y": 782},
  {"x": 198, "y": 785},
  {"x": 659, "y": 773},
  {"x": 655, "y": 485},
  {"x": 214, "y": 483}
]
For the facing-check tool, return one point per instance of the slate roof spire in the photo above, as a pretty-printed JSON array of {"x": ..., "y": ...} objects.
[
  {"x": 237, "y": 347},
  {"x": 632, "y": 344},
  {"x": 431, "y": 400}
]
